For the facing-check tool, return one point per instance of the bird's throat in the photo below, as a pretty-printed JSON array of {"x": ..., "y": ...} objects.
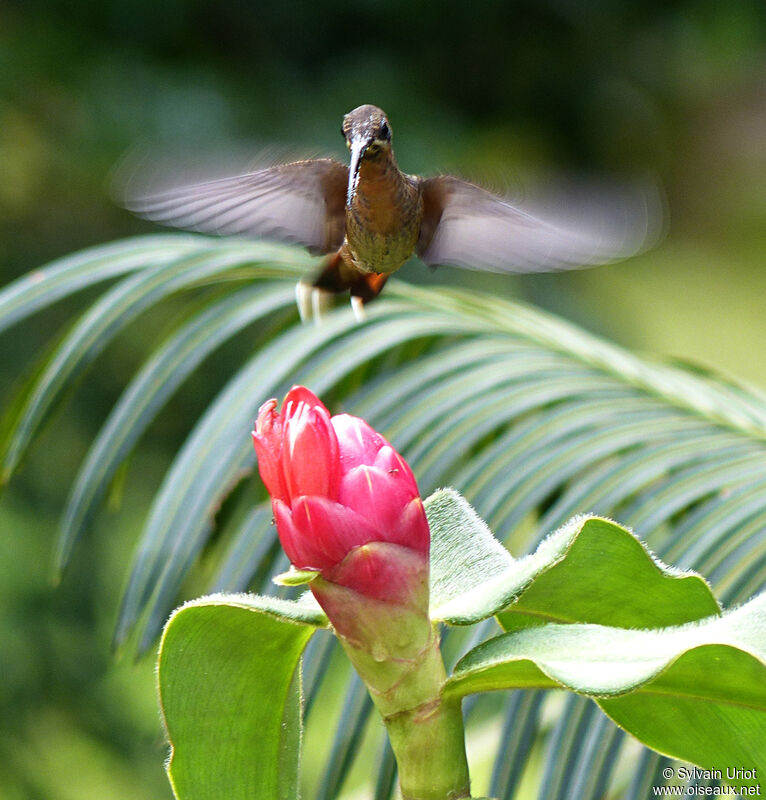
[{"x": 383, "y": 218}]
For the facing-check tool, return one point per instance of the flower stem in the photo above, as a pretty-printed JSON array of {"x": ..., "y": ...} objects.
[
  {"x": 425, "y": 730},
  {"x": 430, "y": 751}
]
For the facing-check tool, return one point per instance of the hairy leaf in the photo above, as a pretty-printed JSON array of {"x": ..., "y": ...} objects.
[
  {"x": 230, "y": 695},
  {"x": 591, "y": 570},
  {"x": 676, "y": 689}
]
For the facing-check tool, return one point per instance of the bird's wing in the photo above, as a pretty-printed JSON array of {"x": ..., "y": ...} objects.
[
  {"x": 467, "y": 226},
  {"x": 301, "y": 202}
]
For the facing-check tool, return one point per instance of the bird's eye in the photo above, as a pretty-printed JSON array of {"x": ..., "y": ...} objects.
[
  {"x": 342, "y": 132},
  {"x": 385, "y": 131}
]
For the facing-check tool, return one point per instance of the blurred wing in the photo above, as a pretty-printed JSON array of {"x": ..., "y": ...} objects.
[
  {"x": 467, "y": 226},
  {"x": 301, "y": 202}
]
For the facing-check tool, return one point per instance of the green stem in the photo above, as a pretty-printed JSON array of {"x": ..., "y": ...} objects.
[
  {"x": 425, "y": 730},
  {"x": 395, "y": 649}
]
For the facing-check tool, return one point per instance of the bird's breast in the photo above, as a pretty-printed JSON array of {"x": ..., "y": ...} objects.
[{"x": 383, "y": 220}]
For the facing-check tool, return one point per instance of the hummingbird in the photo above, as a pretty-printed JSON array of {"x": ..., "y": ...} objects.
[{"x": 369, "y": 218}]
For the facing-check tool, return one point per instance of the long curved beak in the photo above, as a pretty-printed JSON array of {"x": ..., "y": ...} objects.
[{"x": 358, "y": 147}]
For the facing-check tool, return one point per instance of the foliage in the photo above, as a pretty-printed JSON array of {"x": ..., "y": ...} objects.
[
  {"x": 675, "y": 687},
  {"x": 532, "y": 418}
]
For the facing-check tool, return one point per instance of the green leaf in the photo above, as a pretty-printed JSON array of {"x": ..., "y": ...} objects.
[
  {"x": 471, "y": 572},
  {"x": 110, "y": 314},
  {"x": 230, "y": 694},
  {"x": 676, "y": 689},
  {"x": 591, "y": 570},
  {"x": 44, "y": 286},
  {"x": 160, "y": 376}
]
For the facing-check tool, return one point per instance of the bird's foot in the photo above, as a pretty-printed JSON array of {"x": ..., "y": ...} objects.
[
  {"x": 314, "y": 302},
  {"x": 357, "y": 306}
]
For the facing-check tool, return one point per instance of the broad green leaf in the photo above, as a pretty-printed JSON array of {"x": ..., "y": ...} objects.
[
  {"x": 591, "y": 570},
  {"x": 607, "y": 576},
  {"x": 676, "y": 689},
  {"x": 230, "y": 695}
]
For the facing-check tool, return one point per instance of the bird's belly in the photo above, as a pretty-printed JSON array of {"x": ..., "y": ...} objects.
[
  {"x": 370, "y": 251},
  {"x": 382, "y": 227}
]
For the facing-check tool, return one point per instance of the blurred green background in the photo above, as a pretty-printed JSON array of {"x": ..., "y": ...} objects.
[{"x": 491, "y": 88}]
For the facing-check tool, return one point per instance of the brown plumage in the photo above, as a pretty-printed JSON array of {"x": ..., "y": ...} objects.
[{"x": 371, "y": 217}]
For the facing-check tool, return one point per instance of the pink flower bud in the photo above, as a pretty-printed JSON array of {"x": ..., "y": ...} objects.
[{"x": 339, "y": 493}]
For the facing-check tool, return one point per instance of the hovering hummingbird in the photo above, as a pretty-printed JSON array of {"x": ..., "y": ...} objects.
[{"x": 370, "y": 217}]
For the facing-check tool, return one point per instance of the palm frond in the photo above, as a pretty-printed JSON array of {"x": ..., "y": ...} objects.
[{"x": 531, "y": 418}]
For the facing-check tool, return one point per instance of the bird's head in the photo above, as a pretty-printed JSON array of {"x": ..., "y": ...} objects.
[{"x": 368, "y": 136}]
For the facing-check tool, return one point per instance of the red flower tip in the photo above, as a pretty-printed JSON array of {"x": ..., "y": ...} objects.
[
  {"x": 300, "y": 395},
  {"x": 267, "y": 439}
]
